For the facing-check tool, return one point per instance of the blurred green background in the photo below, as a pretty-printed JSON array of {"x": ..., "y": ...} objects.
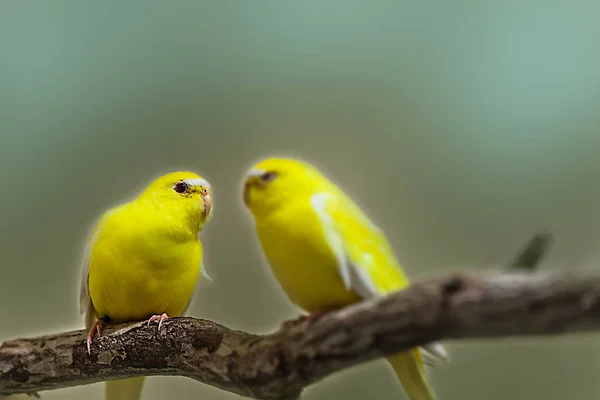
[{"x": 460, "y": 127}]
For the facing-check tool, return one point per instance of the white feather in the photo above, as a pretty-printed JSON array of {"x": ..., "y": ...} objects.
[
  {"x": 319, "y": 204},
  {"x": 355, "y": 273},
  {"x": 255, "y": 173},
  {"x": 362, "y": 282},
  {"x": 205, "y": 274},
  {"x": 197, "y": 182}
]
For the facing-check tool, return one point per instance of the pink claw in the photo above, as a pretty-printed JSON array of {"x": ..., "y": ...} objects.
[
  {"x": 96, "y": 328},
  {"x": 159, "y": 318}
]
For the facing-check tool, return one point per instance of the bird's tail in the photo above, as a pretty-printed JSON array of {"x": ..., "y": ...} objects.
[
  {"x": 124, "y": 389},
  {"x": 411, "y": 373}
]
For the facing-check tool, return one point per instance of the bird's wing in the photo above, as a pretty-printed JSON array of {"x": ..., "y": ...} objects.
[
  {"x": 366, "y": 262},
  {"x": 203, "y": 274},
  {"x": 85, "y": 301}
]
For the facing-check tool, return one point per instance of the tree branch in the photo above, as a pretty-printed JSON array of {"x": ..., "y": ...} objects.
[
  {"x": 272, "y": 366},
  {"x": 279, "y": 365}
]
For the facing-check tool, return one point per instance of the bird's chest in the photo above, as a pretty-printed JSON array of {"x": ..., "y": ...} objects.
[
  {"x": 131, "y": 282},
  {"x": 302, "y": 261}
]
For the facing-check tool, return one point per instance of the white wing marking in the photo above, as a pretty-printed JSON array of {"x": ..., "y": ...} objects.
[
  {"x": 335, "y": 241},
  {"x": 355, "y": 276},
  {"x": 362, "y": 283},
  {"x": 204, "y": 273}
]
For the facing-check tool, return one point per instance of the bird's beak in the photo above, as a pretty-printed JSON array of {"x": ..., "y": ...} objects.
[
  {"x": 251, "y": 177},
  {"x": 247, "y": 192},
  {"x": 208, "y": 203}
]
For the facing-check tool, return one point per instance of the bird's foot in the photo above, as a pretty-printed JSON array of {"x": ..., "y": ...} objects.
[
  {"x": 96, "y": 328},
  {"x": 160, "y": 318}
]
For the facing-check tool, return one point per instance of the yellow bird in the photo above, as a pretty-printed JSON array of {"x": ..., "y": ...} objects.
[
  {"x": 326, "y": 253},
  {"x": 143, "y": 260}
]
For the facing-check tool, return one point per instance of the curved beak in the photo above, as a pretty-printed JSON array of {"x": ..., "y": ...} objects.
[
  {"x": 208, "y": 203},
  {"x": 247, "y": 193},
  {"x": 251, "y": 177}
]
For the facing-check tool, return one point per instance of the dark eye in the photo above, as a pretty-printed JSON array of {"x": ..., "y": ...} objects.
[
  {"x": 268, "y": 176},
  {"x": 180, "y": 187}
]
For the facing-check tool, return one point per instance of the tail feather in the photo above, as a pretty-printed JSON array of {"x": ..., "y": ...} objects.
[
  {"x": 411, "y": 373},
  {"x": 124, "y": 389}
]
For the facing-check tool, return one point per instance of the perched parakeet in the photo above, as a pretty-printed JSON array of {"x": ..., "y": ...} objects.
[
  {"x": 143, "y": 260},
  {"x": 326, "y": 253}
]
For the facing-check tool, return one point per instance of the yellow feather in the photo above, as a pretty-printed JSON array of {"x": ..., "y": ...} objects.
[
  {"x": 144, "y": 258},
  {"x": 323, "y": 250},
  {"x": 411, "y": 374}
]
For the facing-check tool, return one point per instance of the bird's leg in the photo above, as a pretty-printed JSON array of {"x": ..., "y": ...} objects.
[
  {"x": 96, "y": 328},
  {"x": 159, "y": 318}
]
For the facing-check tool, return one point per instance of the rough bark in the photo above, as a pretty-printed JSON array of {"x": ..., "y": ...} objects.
[
  {"x": 282, "y": 364},
  {"x": 279, "y": 365}
]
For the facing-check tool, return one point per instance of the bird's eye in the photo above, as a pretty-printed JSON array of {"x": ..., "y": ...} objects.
[
  {"x": 204, "y": 191},
  {"x": 268, "y": 176},
  {"x": 181, "y": 187}
]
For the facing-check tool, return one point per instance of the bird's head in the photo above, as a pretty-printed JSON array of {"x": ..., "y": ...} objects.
[
  {"x": 183, "y": 194},
  {"x": 273, "y": 182}
]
